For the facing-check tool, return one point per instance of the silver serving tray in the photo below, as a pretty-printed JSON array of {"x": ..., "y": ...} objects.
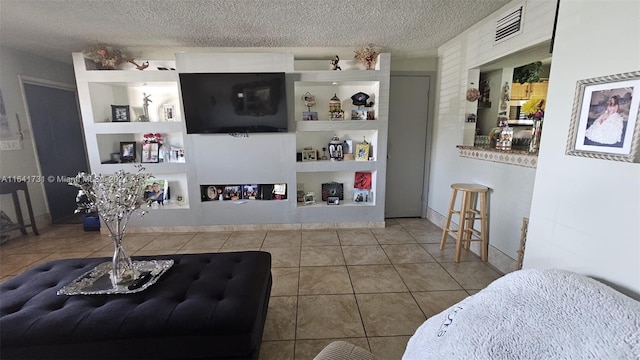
[{"x": 98, "y": 280}]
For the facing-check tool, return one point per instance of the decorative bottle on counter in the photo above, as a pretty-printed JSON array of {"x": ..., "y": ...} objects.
[
  {"x": 536, "y": 133},
  {"x": 506, "y": 138}
]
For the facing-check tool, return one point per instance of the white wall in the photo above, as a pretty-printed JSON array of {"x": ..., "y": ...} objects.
[
  {"x": 23, "y": 162},
  {"x": 511, "y": 185},
  {"x": 585, "y": 213}
]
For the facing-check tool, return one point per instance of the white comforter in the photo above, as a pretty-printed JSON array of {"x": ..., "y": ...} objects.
[{"x": 534, "y": 314}]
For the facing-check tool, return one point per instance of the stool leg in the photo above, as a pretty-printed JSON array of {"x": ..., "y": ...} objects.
[
  {"x": 483, "y": 227},
  {"x": 470, "y": 219},
  {"x": 461, "y": 228},
  {"x": 445, "y": 231}
]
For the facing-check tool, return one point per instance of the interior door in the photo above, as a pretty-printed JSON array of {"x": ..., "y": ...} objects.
[
  {"x": 57, "y": 133},
  {"x": 406, "y": 145}
]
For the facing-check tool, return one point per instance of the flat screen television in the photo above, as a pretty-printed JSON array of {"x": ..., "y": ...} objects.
[{"x": 234, "y": 102}]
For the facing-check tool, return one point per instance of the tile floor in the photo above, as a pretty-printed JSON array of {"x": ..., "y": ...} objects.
[{"x": 371, "y": 287}]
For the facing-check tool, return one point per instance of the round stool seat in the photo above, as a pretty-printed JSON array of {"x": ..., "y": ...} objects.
[{"x": 470, "y": 187}]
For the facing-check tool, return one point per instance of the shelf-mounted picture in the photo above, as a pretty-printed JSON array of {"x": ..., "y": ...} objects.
[
  {"x": 362, "y": 152},
  {"x": 309, "y": 115},
  {"x": 127, "y": 151},
  {"x": 309, "y": 155},
  {"x": 169, "y": 111},
  {"x": 604, "y": 121},
  {"x": 333, "y": 200},
  {"x": 361, "y": 196},
  {"x": 120, "y": 113},
  {"x": 155, "y": 191},
  {"x": 150, "y": 153},
  {"x": 358, "y": 114}
]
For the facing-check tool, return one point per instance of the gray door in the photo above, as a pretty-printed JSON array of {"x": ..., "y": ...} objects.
[
  {"x": 59, "y": 141},
  {"x": 406, "y": 147}
]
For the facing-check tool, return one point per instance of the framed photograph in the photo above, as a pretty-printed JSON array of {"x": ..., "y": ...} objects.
[
  {"x": 362, "y": 152},
  {"x": 250, "y": 191},
  {"x": 309, "y": 198},
  {"x": 120, "y": 113},
  {"x": 169, "y": 112},
  {"x": 357, "y": 114},
  {"x": 309, "y": 115},
  {"x": 127, "y": 151},
  {"x": 232, "y": 192},
  {"x": 333, "y": 200},
  {"x": 604, "y": 121},
  {"x": 156, "y": 190},
  {"x": 362, "y": 180},
  {"x": 150, "y": 153},
  {"x": 361, "y": 196},
  {"x": 309, "y": 155}
]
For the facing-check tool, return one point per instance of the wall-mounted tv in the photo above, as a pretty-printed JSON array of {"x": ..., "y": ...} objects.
[{"x": 234, "y": 102}]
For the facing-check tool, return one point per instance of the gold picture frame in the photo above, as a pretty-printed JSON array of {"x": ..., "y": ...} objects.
[{"x": 362, "y": 152}]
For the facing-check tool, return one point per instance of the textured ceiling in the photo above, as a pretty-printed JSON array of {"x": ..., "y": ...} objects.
[{"x": 55, "y": 28}]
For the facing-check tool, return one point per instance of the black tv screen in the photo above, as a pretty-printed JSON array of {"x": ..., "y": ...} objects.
[{"x": 234, "y": 102}]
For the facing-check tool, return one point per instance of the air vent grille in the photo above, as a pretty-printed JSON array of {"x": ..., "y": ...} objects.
[{"x": 509, "y": 25}]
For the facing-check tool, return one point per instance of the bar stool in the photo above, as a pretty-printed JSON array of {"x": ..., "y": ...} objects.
[{"x": 467, "y": 215}]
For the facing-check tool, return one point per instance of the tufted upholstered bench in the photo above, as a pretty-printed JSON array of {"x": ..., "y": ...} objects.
[{"x": 206, "y": 306}]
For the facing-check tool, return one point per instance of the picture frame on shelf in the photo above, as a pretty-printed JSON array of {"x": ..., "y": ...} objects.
[
  {"x": 250, "y": 191},
  {"x": 332, "y": 189},
  {"x": 310, "y": 116},
  {"x": 211, "y": 193},
  {"x": 362, "y": 152},
  {"x": 232, "y": 192},
  {"x": 604, "y": 121},
  {"x": 169, "y": 111},
  {"x": 309, "y": 198},
  {"x": 127, "y": 151},
  {"x": 120, "y": 113},
  {"x": 358, "y": 114},
  {"x": 362, "y": 180},
  {"x": 279, "y": 191},
  {"x": 333, "y": 200},
  {"x": 361, "y": 196},
  {"x": 150, "y": 153},
  {"x": 309, "y": 155},
  {"x": 156, "y": 191}
]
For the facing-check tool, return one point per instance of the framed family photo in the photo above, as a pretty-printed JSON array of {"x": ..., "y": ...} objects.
[
  {"x": 127, "y": 151},
  {"x": 604, "y": 120},
  {"x": 120, "y": 113}
]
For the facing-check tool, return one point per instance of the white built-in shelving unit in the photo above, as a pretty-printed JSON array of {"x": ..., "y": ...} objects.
[{"x": 256, "y": 159}]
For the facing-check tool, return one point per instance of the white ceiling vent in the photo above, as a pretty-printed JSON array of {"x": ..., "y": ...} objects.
[{"x": 509, "y": 25}]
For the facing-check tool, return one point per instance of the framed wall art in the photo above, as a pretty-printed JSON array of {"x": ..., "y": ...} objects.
[
  {"x": 604, "y": 120},
  {"x": 120, "y": 113},
  {"x": 362, "y": 152},
  {"x": 169, "y": 111}
]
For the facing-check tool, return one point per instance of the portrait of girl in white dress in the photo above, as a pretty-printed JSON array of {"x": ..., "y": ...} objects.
[{"x": 607, "y": 129}]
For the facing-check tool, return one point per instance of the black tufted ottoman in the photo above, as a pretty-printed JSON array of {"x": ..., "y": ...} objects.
[{"x": 207, "y": 306}]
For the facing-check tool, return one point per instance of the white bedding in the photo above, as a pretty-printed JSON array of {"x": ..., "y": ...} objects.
[{"x": 534, "y": 314}]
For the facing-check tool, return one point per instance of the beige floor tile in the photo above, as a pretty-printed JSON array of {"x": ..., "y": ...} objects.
[
  {"x": 364, "y": 255},
  {"x": 17, "y": 263},
  {"x": 283, "y": 238},
  {"x": 393, "y": 236},
  {"x": 237, "y": 248},
  {"x": 151, "y": 252},
  {"x": 320, "y": 238},
  {"x": 473, "y": 292},
  {"x": 321, "y": 256},
  {"x": 284, "y": 257},
  {"x": 426, "y": 277},
  {"x": 285, "y": 281},
  {"x": 407, "y": 254},
  {"x": 308, "y": 349},
  {"x": 49, "y": 245},
  {"x": 389, "y": 314},
  {"x": 390, "y": 347},
  {"x": 328, "y": 316},
  {"x": 69, "y": 255},
  {"x": 357, "y": 237},
  {"x": 167, "y": 242},
  {"x": 248, "y": 235},
  {"x": 472, "y": 276},
  {"x": 324, "y": 280},
  {"x": 210, "y": 242},
  {"x": 376, "y": 279},
  {"x": 242, "y": 243},
  {"x": 427, "y": 236},
  {"x": 434, "y": 302},
  {"x": 277, "y": 350},
  {"x": 449, "y": 253},
  {"x": 280, "y": 323}
]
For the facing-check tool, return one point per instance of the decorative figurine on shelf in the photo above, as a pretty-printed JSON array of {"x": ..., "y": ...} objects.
[
  {"x": 145, "y": 108},
  {"x": 334, "y": 63},
  {"x": 140, "y": 67},
  {"x": 360, "y": 100},
  {"x": 309, "y": 101},
  {"x": 336, "y": 152},
  {"x": 335, "y": 108},
  {"x": 324, "y": 154},
  {"x": 106, "y": 56}
]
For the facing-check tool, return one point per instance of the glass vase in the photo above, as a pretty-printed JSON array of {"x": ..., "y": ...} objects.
[
  {"x": 534, "y": 145},
  {"x": 122, "y": 271}
]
